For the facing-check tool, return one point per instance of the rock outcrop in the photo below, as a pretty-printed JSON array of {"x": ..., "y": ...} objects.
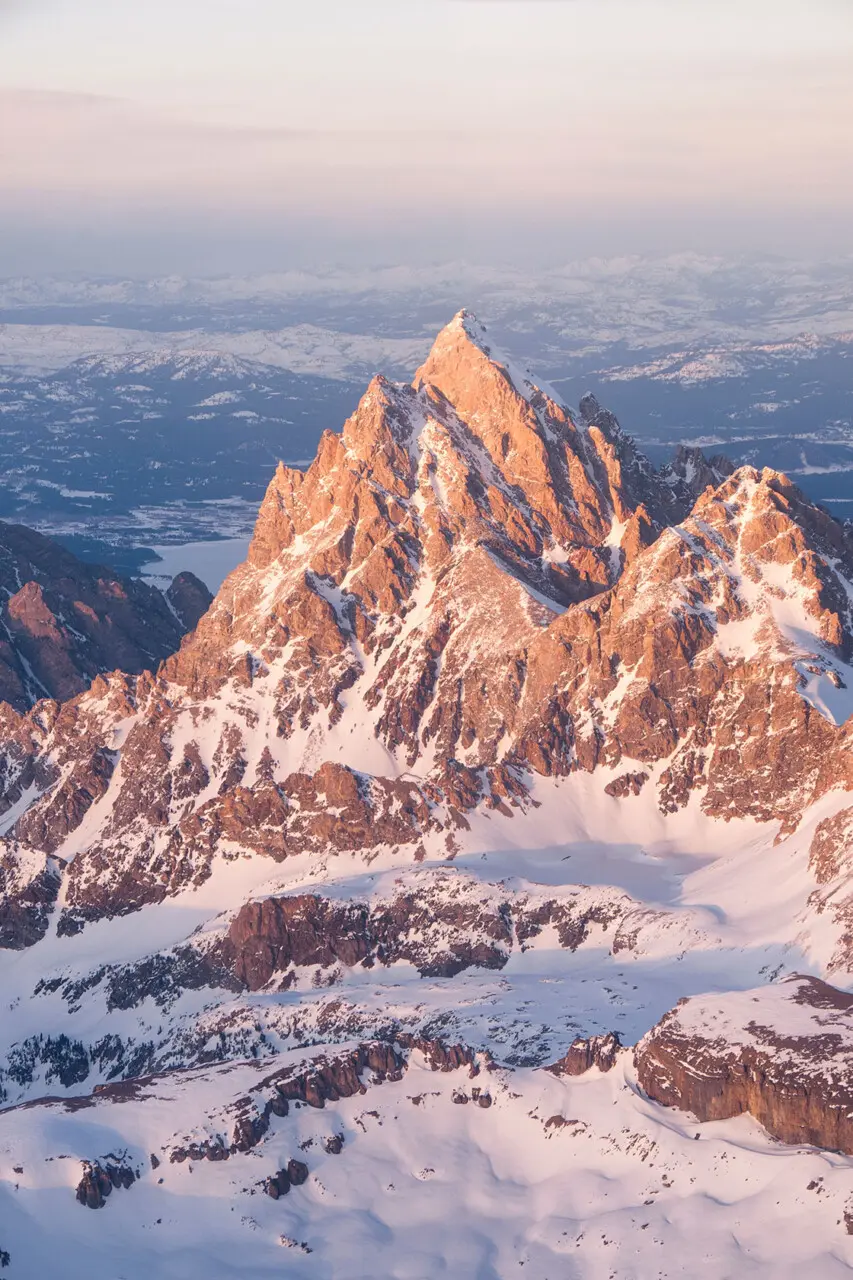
[
  {"x": 190, "y": 599},
  {"x": 332, "y": 1077},
  {"x": 784, "y": 1053},
  {"x": 690, "y": 473},
  {"x": 29, "y": 883},
  {"x": 62, "y": 621},
  {"x": 325, "y": 1077},
  {"x": 586, "y": 1052},
  {"x": 278, "y": 1185},
  {"x": 442, "y": 923}
]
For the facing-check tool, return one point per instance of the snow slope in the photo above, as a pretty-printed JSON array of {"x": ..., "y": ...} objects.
[
  {"x": 560, "y": 1176},
  {"x": 558, "y": 1179}
]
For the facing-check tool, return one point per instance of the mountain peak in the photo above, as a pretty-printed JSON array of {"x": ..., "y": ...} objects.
[
  {"x": 467, "y": 322},
  {"x": 464, "y": 359}
]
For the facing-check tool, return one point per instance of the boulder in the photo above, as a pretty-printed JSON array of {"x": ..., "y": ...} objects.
[
  {"x": 98, "y": 1182},
  {"x": 279, "y": 1184},
  {"x": 297, "y": 1172}
]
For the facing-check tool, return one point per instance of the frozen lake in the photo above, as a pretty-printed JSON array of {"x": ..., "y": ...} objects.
[{"x": 211, "y": 561}]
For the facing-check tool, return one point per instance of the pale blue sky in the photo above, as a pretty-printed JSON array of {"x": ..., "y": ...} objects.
[{"x": 509, "y": 113}]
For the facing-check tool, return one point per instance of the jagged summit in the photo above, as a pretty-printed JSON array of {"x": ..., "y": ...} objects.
[
  {"x": 472, "y": 453},
  {"x": 465, "y": 327},
  {"x": 690, "y": 472},
  {"x": 464, "y": 362},
  {"x": 468, "y": 323},
  {"x": 467, "y": 588}
]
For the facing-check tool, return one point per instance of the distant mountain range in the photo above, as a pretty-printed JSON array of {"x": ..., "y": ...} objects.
[
  {"x": 128, "y": 408},
  {"x": 564, "y": 310},
  {"x": 787, "y": 405},
  {"x": 300, "y": 349}
]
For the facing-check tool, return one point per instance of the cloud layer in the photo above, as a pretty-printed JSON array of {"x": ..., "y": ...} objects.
[{"x": 507, "y": 115}]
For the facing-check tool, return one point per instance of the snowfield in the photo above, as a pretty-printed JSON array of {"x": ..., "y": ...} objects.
[
  {"x": 553, "y": 1180},
  {"x": 559, "y": 1176}
]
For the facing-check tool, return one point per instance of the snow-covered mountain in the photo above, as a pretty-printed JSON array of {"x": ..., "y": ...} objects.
[
  {"x": 733, "y": 360},
  {"x": 499, "y": 742},
  {"x": 302, "y": 349}
]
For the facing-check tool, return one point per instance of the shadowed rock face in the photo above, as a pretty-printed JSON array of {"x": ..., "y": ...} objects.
[
  {"x": 62, "y": 621},
  {"x": 441, "y": 925},
  {"x": 784, "y": 1053},
  {"x": 99, "y": 1181},
  {"x": 189, "y": 598},
  {"x": 690, "y": 473},
  {"x": 29, "y": 883},
  {"x": 439, "y": 921}
]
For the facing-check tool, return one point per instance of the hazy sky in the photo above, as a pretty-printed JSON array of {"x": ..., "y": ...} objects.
[{"x": 219, "y": 134}]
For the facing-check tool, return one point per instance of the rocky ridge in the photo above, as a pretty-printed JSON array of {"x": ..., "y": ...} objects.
[
  {"x": 498, "y": 743},
  {"x": 63, "y": 622},
  {"x": 468, "y": 588}
]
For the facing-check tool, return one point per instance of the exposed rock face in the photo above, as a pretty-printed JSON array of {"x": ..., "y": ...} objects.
[
  {"x": 468, "y": 587},
  {"x": 441, "y": 1056},
  {"x": 627, "y": 784},
  {"x": 585, "y": 1053},
  {"x": 331, "y": 1078},
  {"x": 696, "y": 655},
  {"x": 297, "y": 1172},
  {"x": 99, "y": 1181},
  {"x": 62, "y": 621},
  {"x": 783, "y": 1053},
  {"x": 278, "y": 1185},
  {"x": 441, "y": 923},
  {"x": 327, "y": 1077},
  {"x": 831, "y": 864},
  {"x": 335, "y": 809},
  {"x": 690, "y": 473},
  {"x": 189, "y": 598},
  {"x": 271, "y": 936},
  {"x": 29, "y": 883}
]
